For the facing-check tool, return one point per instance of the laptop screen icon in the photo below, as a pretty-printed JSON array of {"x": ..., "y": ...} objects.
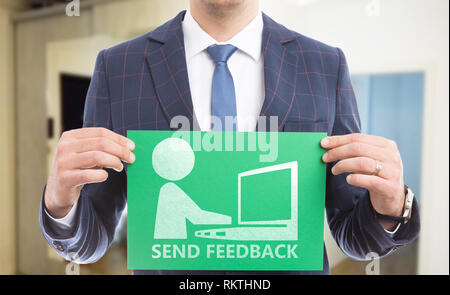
[{"x": 259, "y": 218}]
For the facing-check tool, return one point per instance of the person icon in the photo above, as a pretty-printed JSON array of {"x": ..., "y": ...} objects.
[{"x": 173, "y": 159}]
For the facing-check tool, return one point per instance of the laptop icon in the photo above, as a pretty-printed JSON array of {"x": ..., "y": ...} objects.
[{"x": 258, "y": 220}]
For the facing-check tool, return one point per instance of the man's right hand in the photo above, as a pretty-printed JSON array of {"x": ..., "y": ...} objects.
[{"x": 80, "y": 158}]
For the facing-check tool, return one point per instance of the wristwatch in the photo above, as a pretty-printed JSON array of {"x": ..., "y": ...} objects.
[{"x": 407, "y": 209}]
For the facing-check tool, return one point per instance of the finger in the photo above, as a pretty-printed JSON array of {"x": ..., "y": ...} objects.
[
  {"x": 339, "y": 140},
  {"x": 95, "y": 159},
  {"x": 100, "y": 132},
  {"x": 85, "y": 176},
  {"x": 106, "y": 145},
  {"x": 353, "y": 150},
  {"x": 360, "y": 165},
  {"x": 370, "y": 182}
]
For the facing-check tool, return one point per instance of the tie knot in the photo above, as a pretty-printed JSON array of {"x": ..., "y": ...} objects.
[{"x": 221, "y": 53}]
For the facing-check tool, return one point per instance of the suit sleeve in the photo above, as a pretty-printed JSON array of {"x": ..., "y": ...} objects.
[
  {"x": 100, "y": 205},
  {"x": 350, "y": 214}
]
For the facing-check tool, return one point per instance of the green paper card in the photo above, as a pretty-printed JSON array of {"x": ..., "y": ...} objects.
[{"x": 226, "y": 201}]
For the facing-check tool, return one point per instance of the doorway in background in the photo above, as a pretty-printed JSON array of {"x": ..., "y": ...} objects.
[
  {"x": 73, "y": 96},
  {"x": 391, "y": 106}
]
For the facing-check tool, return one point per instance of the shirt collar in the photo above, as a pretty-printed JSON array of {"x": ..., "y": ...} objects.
[{"x": 247, "y": 40}]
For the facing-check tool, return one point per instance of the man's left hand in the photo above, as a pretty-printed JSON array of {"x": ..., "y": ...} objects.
[{"x": 361, "y": 155}]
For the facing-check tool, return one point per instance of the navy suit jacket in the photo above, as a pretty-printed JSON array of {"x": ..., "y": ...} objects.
[{"x": 143, "y": 83}]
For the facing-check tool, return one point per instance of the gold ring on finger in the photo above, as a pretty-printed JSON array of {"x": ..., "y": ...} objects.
[{"x": 377, "y": 169}]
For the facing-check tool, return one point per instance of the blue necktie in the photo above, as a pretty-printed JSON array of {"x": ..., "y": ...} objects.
[{"x": 223, "y": 95}]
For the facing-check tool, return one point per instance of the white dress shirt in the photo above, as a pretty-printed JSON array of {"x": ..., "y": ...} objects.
[
  {"x": 247, "y": 69},
  {"x": 246, "y": 66}
]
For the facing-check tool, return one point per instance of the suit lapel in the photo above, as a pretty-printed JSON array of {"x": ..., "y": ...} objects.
[
  {"x": 280, "y": 67},
  {"x": 167, "y": 64},
  {"x": 166, "y": 60}
]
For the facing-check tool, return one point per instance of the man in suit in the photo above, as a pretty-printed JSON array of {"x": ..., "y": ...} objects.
[{"x": 261, "y": 69}]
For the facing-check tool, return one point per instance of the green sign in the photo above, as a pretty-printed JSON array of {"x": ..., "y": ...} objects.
[{"x": 226, "y": 201}]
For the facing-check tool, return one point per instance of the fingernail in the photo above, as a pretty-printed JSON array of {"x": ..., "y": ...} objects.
[
  {"x": 325, "y": 141},
  {"x": 119, "y": 170},
  {"x": 333, "y": 170},
  {"x": 324, "y": 157},
  {"x": 132, "y": 157},
  {"x": 349, "y": 177},
  {"x": 131, "y": 145}
]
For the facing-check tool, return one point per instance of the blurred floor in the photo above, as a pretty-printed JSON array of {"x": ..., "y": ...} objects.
[
  {"x": 401, "y": 262},
  {"x": 114, "y": 262}
]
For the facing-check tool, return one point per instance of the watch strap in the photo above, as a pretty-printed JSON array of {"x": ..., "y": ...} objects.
[
  {"x": 407, "y": 207},
  {"x": 390, "y": 217}
]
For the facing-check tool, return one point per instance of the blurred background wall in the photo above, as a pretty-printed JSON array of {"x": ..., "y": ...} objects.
[
  {"x": 7, "y": 144},
  {"x": 47, "y": 57}
]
